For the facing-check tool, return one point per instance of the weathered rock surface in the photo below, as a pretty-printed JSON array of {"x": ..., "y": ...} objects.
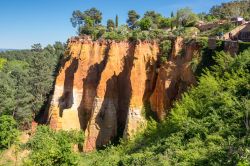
[
  {"x": 103, "y": 86},
  {"x": 174, "y": 77}
]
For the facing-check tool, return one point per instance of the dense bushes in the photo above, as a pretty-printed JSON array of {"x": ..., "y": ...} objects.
[
  {"x": 51, "y": 148},
  {"x": 8, "y": 131},
  {"x": 147, "y": 35}
]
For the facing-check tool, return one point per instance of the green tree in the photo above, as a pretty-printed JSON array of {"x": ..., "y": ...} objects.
[
  {"x": 165, "y": 23},
  {"x": 110, "y": 25},
  {"x": 94, "y": 14},
  {"x": 132, "y": 18},
  {"x": 26, "y": 81},
  {"x": 231, "y": 9},
  {"x": 86, "y": 21},
  {"x": 156, "y": 18},
  {"x": 77, "y": 18},
  {"x": 185, "y": 17},
  {"x": 7, "y": 95},
  {"x": 172, "y": 20},
  {"x": 8, "y": 131},
  {"x": 36, "y": 47},
  {"x": 116, "y": 21},
  {"x": 145, "y": 23}
]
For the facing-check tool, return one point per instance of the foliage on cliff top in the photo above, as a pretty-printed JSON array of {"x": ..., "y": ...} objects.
[
  {"x": 183, "y": 22},
  {"x": 209, "y": 126}
]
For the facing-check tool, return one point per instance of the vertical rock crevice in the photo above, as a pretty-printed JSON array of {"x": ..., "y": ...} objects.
[
  {"x": 90, "y": 84},
  {"x": 66, "y": 100}
]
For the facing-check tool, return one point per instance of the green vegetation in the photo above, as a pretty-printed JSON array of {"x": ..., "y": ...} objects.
[
  {"x": 27, "y": 78},
  {"x": 244, "y": 45},
  {"x": 110, "y": 25},
  {"x": 8, "y": 131},
  {"x": 51, "y": 148},
  {"x": 132, "y": 19},
  {"x": 231, "y": 9},
  {"x": 145, "y": 24},
  {"x": 186, "y": 18},
  {"x": 165, "y": 47},
  {"x": 88, "y": 23},
  {"x": 182, "y": 23},
  {"x": 116, "y": 21},
  {"x": 209, "y": 126},
  {"x": 221, "y": 29}
]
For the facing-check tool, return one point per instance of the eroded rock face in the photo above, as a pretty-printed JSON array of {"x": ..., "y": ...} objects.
[
  {"x": 103, "y": 86},
  {"x": 174, "y": 77},
  {"x": 78, "y": 78}
]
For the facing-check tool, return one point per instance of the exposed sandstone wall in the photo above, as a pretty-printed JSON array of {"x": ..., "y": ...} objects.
[
  {"x": 174, "y": 77},
  {"x": 78, "y": 77},
  {"x": 103, "y": 86}
]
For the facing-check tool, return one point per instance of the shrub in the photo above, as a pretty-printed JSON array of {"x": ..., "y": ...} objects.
[
  {"x": 194, "y": 64},
  {"x": 51, "y": 148},
  {"x": 145, "y": 23},
  {"x": 136, "y": 159},
  {"x": 8, "y": 131},
  {"x": 158, "y": 34},
  {"x": 155, "y": 34},
  {"x": 165, "y": 47},
  {"x": 203, "y": 42},
  {"x": 94, "y": 32},
  {"x": 113, "y": 35},
  {"x": 165, "y": 23}
]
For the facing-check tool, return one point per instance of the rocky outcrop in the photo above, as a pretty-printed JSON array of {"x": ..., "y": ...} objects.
[
  {"x": 174, "y": 77},
  {"x": 124, "y": 83},
  {"x": 103, "y": 86},
  {"x": 76, "y": 83}
]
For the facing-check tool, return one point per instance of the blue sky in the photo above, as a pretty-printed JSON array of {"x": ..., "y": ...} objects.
[{"x": 25, "y": 22}]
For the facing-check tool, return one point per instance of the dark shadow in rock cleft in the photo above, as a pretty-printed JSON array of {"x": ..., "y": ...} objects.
[{"x": 66, "y": 100}]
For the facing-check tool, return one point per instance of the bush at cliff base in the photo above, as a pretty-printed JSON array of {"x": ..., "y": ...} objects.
[
  {"x": 209, "y": 126},
  {"x": 51, "y": 148},
  {"x": 8, "y": 131}
]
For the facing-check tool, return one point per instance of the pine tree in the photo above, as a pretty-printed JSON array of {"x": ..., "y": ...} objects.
[
  {"x": 116, "y": 21},
  {"x": 172, "y": 20}
]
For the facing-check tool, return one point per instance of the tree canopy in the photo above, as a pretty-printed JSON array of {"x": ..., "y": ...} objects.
[
  {"x": 185, "y": 17},
  {"x": 133, "y": 17},
  {"x": 88, "y": 19},
  {"x": 232, "y": 9},
  {"x": 110, "y": 24},
  {"x": 27, "y": 78}
]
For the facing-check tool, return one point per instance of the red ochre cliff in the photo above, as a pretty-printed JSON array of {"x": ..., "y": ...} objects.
[{"x": 102, "y": 87}]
